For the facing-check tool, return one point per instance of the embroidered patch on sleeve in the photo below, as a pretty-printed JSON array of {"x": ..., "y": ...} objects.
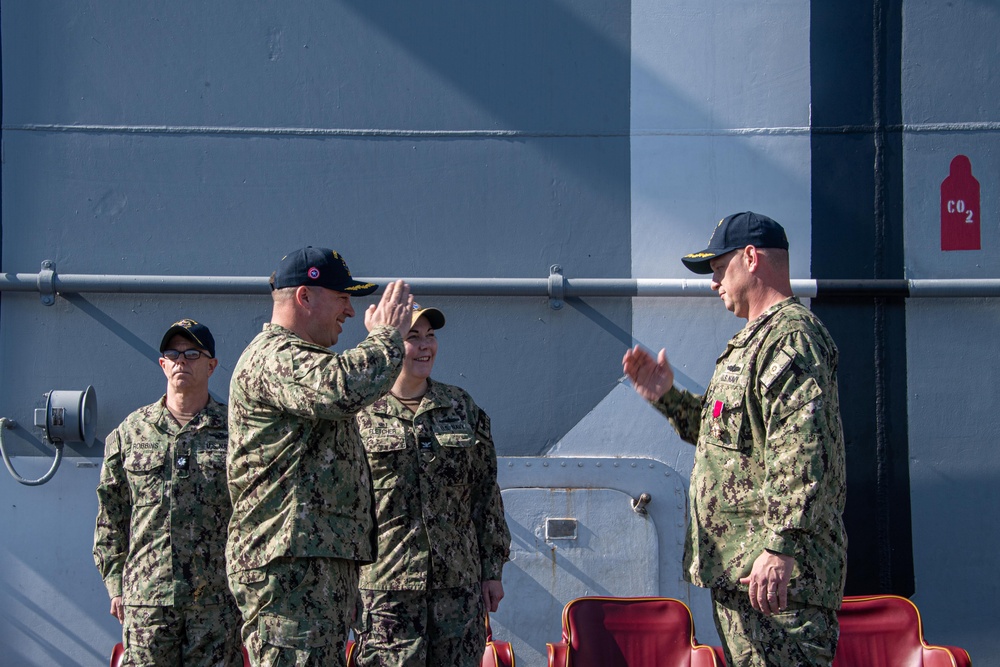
[
  {"x": 780, "y": 363},
  {"x": 483, "y": 426}
]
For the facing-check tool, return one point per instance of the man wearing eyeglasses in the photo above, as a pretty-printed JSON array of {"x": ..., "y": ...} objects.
[{"x": 163, "y": 510}]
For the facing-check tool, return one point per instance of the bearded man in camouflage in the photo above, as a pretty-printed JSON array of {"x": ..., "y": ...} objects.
[
  {"x": 767, "y": 494},
  {"x": 303, "y": 515},
  {"x": 163, "y": 507}
]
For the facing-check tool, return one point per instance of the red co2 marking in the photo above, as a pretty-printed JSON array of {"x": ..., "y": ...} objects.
[{"x": 960, "y": 207}]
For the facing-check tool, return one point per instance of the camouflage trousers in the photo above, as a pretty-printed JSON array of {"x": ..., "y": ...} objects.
[
  {"x": 297, "y": 611},
  {"x": 802, "y": 635},
  {"x": 203, "y": 635},
  {"x": 436, "y": 628}
]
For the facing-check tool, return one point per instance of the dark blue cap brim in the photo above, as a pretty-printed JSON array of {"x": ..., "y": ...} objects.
[
  {"x": 701, "y": 262},
  {"x": 359, "y": 289}
]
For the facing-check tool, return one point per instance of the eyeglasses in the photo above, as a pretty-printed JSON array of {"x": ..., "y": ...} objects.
[{"x": 190, "y": 355}]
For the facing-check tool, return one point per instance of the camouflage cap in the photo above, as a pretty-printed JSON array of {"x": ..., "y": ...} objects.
[
  {"x": 318, "y": 267},
  {"x": 434, "y": 316},
  {"x": 196, "y": 332},
  {"x": 734, "y": 232}
]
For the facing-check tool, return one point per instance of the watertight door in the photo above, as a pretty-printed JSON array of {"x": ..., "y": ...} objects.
[{"x": 585, "y": 526}]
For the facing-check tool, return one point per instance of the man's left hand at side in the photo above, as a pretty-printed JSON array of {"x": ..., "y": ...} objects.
[
  {"x": 768, "y": 582},
  {"x": 492, "y": 594}
]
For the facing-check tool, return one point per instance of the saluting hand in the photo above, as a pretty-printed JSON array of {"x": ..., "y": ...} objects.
[
  {"x": 651, "y": 379},
  {"x": 394, "y": 309}
]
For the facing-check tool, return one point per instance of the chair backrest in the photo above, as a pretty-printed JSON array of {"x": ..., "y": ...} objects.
[
  {"x": 631, "y": 632},
  {"x": 886, "y": 631},
  {"x": 497, "y": 653},
  {"x": 117, "y": 655}
]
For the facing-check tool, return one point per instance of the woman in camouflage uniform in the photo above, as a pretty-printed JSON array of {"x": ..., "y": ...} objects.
[{"x": 443, "y": 539}]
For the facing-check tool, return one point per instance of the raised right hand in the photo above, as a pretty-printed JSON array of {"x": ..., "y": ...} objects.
[
  {"x": 651, "y": 379},
  {"x": 394, "y": 309}
]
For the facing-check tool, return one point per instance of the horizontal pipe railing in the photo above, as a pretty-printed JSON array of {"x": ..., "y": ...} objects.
[{"x": 48, "y": 282}]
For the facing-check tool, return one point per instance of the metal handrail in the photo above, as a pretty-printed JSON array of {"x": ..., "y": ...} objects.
[{"x": 556, "y": 287}]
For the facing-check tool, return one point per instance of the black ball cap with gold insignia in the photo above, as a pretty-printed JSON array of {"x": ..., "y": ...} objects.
[
  {"x": 318, "y": 267},
  {"x": 734, "y": 232},
  {"x": 196, "y": 332}
]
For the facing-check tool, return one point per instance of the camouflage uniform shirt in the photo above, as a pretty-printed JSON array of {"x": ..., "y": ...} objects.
[
  {"x": 297, "y": 471},
  {"x": 440, "y": 515},
  {"x": 163, "y": 507},
  {"x": 769, "y": 466}
]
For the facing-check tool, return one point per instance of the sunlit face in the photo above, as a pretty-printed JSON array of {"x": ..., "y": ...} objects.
[
  {"x": 730, "y": 278},
  {"x": 330, "y": 309},
  {"x": 187, "y": 374},
  {"x": 421, "y": 349}
]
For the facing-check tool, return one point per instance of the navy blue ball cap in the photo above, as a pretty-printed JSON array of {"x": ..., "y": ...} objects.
[
  {"x": 735, "y": 232},
  {"x": 196, "y": 332},
  {"x": 318, "y": 267}
]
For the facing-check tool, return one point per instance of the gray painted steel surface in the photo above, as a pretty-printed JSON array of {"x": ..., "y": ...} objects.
[{"x": 477, "y": 142}]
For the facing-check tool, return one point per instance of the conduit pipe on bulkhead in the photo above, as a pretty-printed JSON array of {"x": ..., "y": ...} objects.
[
  {"x": 47, "y": 283},
  {"x": 68, "y": 416}
]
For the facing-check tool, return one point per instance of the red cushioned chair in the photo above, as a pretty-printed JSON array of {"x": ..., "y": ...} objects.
[
  {"x": 629, "y": 632},
  {"x": 117, "y": 655},
  {"x": 497, "y": 653},
  {"x": 886, "y": 631}
]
